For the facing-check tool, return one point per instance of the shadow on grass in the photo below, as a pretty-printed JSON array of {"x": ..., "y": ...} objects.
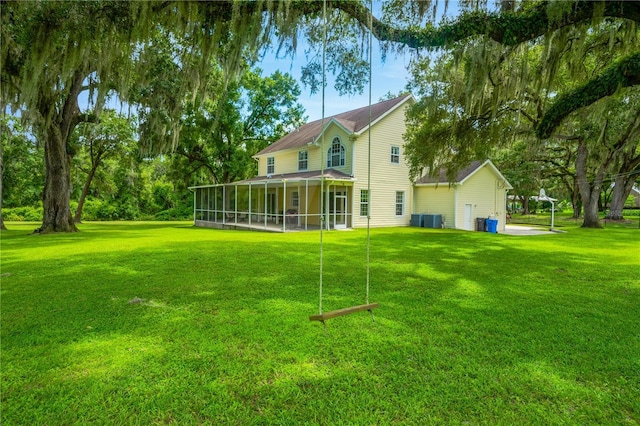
[{"x": 471, "y": 327}]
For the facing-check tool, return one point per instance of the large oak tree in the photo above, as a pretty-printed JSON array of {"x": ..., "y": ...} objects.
[{"x": 54, "y": 51}]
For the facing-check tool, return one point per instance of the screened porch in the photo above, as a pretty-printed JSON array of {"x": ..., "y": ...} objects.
[{"x": 276, "y": 205}]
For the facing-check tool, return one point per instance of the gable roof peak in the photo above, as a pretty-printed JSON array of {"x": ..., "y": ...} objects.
[
  {"x": 462, "y": 175},
  {"x": 354, "y": 121}
]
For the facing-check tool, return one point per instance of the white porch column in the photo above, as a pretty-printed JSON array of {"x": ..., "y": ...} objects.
[
  {"x": 306, "y": 204},
  {"x": 249, "y": 203},
  {"x": 326, "y": 208},
  {"x": 224, "y": 204},
  {"x": 265, "y": 204},
  {"x": 298, "y": 207},
  {"x": 284, "y": 205},
  {"x": 195, "y": 193}
]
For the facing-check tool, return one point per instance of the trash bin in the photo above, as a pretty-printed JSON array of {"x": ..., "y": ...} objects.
[
  {"x": 492, "y": 226},
  {"x": 481, "y": 224}
]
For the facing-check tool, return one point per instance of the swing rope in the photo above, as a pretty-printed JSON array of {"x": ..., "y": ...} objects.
[
  {"x": 322, "y": 207},
  {"x": 369, "y": 157},
  {"x": 367, "y": 306}
]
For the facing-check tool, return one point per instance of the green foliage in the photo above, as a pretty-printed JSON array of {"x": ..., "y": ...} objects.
[
  {"x": 219, "y": 136},
  {"x": 177, "y": 213},
  {"x": 623, "y": 73},
  {"x": 20, "y": 214},
  {"x": 631, "y": 212},
  {"x": 23, "y": 167},
  {"x": 162, "y": 194},
  {"x": 150, "y": 323}
]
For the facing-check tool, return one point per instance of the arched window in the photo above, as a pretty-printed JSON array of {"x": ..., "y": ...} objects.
[{"x": 335, "y": 156}]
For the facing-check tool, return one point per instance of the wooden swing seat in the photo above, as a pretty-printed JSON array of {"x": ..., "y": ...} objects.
[{"x": 344, "y": 311}]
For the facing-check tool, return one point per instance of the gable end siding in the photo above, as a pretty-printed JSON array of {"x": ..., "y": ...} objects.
[
  {"x": 483, "y": 191},
  {"x": 436, "y": 200},
  {"x": 386, "y": 178}
]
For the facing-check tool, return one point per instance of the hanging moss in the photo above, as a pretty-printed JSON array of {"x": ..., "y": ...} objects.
[{"x": 624, "y": 73}]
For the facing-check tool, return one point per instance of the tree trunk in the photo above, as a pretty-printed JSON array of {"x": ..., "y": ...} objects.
[
  {"x": 621, "y": 191},
  {"x": 85, "y": 191},
  {"x": 626, "y": 178},
  {"x": 525, "y": 204},
  {"x": 2, "y": 226},
  {"x": 576, "y": 203},
  {"x": 590, "y": 194},
  {"x": 57, "y": 186}
]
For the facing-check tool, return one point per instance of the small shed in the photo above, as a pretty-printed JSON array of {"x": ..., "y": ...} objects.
[{"x": 478, "y": 191}]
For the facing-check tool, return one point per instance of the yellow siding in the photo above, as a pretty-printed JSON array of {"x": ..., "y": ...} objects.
[
  {"x": 486, "y": 196},
  {"x": 386, "y": 177},
  {"x": 320, "y": 152},
  {"x": 287, "y": 161},
  {"x": 436, "y": 200}
]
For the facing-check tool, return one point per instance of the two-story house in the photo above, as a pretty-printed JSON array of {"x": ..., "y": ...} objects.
[{"x": 317, "y": 175}]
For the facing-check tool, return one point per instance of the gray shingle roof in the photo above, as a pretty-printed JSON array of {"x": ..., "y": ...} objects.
[
  {"x": 313, "y": 174},
  {"x": 441, "y": 177},
  {"x": 353, "y": 121}
]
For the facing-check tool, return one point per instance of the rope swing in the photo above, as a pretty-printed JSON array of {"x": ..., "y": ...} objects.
[{"x": 323, "y": 316}]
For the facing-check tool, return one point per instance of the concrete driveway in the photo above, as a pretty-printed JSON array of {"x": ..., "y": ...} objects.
[{"x": 527, "y": 230}]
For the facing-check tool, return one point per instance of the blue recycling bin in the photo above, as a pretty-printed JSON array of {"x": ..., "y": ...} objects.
[{"x": 492, "y": 226}]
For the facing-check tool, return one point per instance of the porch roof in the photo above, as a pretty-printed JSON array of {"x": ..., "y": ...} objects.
[{"x": 329, "y": 174}]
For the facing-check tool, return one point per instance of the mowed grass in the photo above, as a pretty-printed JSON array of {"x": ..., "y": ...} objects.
[{"x": 472, "y": 328}]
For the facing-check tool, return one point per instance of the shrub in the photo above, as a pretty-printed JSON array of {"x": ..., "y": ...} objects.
[
  {"x": 20, "y": 214},
  {"x": 95, "y": 209},
  {"x": 630, "y": 213},
  {"x": 176, "y": 213}
]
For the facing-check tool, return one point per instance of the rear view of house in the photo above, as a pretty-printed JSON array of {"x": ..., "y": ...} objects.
[{"x": 317, "y": 176}]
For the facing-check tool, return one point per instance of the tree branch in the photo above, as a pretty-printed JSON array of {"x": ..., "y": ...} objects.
[
  {"x": 509, "y": 29},
  {"x": 624, "y": 73}
]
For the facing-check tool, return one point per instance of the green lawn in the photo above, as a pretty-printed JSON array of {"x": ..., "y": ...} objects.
[{"x": 473, "y": 328}]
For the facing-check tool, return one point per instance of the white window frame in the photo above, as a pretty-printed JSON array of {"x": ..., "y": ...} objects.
[
  {"x": 399, "y": 203},
  {"x": 336, "y": 150},
  {"x": 303, "y": 158},
  {"x": 271, "y": 165},
  {"x": 395, "y": 156},
  {"x": 365, "y": 203},
  {"x": 295, "y": 200}
]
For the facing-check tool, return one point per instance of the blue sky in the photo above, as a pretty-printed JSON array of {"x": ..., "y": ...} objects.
[{"x": 388, "y": 76}]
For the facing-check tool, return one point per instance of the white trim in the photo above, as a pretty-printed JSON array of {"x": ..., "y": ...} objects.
[
  {"x": 495, "y": 170},
  {"x": 383, "y": 116},
  {"x": 453, "y": 184},
  {"x": 324, "y": 129}
]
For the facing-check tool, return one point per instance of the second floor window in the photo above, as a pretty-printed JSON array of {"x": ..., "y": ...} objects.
[
  {"x": 271, "y": 165},
  {"x": 395, "y": 154},
  {"x": 335, "y": 156},
  {"x": 303, "y": 160}
]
